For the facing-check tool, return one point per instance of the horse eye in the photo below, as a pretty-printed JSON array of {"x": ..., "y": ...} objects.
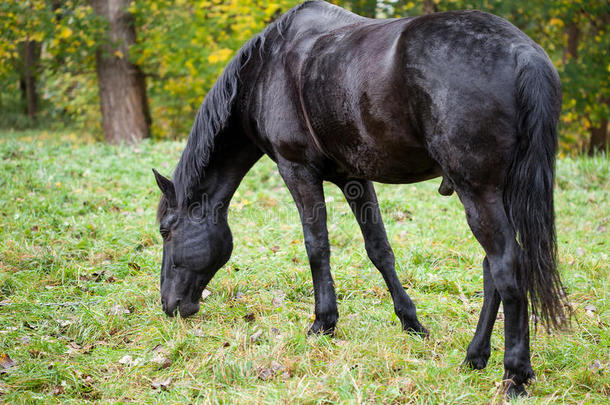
[{"x": 164, "y": 233}]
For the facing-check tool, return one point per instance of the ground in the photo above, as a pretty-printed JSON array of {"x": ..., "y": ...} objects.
[{"x": 81, "y": 315}]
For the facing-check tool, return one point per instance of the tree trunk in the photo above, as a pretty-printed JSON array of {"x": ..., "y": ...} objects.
[
  {"x": 429, "y": 7},
  {"x": 366, "y": 8},
  {"x": 598, "y": 135},
  {"x": 573, "y": 33},
  {"x": 28, "y": 69},
  {"x": 122, "y": 85},
  {"x": 599, "y": 138}
]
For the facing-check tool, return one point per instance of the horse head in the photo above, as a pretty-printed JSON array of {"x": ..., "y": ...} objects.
[{"x": 197, "y": 242}]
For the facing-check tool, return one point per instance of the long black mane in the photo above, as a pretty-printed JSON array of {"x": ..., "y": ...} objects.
[{"x": 215, "y": 111}]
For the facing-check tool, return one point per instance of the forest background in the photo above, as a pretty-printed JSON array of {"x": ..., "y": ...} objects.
[{"x": 62, "y": 61}]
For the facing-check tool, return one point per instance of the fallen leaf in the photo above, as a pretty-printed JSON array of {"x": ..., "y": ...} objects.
[
  {"x": 274, "y": 369},
  {"x": 249, "y": 317},
  {"x": 129, "y": 361},
  {"x": 163, "y": 384},
  {"x": 72, "y": 348},
  {"x": 29, "y": 325},
  {"x": 161, "y": 360},
  {"x": 118, "y": 310},
  {"x": 400, "y": 216},
  {"x": 265, "y": 374},
  {"x": 6, "y": 362},
  {"x": 58, "y": 390},
  {"x": 101, "y": 276},
  {"x": 590, "y": 310},
  {"x": 256, "y": 335},
  {"x": 205, "y": 294},
  {"x": 275, "y": 366},
  {"x": 596, "y": 365},
  {"x": 134, "y": 266},
  {"x": 275, "y": 248}
]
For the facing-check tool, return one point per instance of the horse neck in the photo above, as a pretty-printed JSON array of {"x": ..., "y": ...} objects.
[{"x": 231, "y": 158}]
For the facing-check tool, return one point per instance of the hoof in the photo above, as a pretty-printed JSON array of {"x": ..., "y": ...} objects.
[
  {"x": 418, "y": 330},
  {"x": 475, "y": 363},
  {"x": 514, "y": 391},
  {"x": 514, "y": 383},
  {"x": 323, "y": 328},
  {"x": 476, "y": 360}
]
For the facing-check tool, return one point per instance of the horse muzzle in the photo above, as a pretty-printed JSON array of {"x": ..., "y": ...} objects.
[{"x": 173, "y": 305}]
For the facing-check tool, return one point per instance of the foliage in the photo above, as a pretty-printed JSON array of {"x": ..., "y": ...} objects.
[
  {"x": 70, "y": 34},
  {"x": 79, "y": 246},
  {"x": 184, "y": 45}
]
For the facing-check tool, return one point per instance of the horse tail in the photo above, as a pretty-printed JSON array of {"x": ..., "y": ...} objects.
[{"x": 528, "y": 192}]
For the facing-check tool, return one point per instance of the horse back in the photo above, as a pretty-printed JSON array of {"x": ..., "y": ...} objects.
[{"x": 381, "y": 97}]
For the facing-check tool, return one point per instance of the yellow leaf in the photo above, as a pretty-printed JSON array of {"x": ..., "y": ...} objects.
[
  {"x": 118, "y": 54},
  {"x": 64, "y": 33},
  {"x": 221, "y": 55},
  {"x": 556, "y": 21}
]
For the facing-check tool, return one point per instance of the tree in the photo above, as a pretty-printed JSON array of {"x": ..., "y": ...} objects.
[
  {"x": 22, "y": 30},
  {"x": 366, "y": 8},
  {"x": 122, "y": 85},
  {"x": 28, "y": 66}
]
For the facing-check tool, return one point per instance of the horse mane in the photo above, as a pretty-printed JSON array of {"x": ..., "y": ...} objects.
[{"x": 215, "y": 111}]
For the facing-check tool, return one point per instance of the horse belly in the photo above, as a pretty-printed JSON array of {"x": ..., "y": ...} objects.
[
  {"x": 384, "y": 160},
  {"x": 358, "y": 116}
]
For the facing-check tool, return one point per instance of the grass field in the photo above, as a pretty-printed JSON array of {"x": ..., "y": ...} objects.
[{"x": 81, "y": 317}]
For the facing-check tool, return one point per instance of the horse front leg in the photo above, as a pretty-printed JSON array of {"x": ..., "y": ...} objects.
[
  {"x": 362, "y": 199},
  {"x": 306, "y": 189},
  {"x": 479, "y": 348}
]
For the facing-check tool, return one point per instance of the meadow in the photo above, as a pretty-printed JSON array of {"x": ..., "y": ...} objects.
[{"x": 81, "y": 319}]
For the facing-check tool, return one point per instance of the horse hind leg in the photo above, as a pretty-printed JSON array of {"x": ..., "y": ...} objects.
[
  {"x": 479, "y": 348},
  {"x": 487, "y": 219}
]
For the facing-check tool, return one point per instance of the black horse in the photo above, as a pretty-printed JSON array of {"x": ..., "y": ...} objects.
[{"x": 333, "y": 96}]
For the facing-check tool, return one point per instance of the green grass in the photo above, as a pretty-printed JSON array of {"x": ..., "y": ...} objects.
[{"x": 78, "y": 237}]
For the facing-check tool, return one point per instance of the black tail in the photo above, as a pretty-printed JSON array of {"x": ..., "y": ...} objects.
[{"x": 528, "y": 193}]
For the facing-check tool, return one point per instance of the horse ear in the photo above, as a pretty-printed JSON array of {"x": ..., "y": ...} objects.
[{"x": 167, "y": 187}]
